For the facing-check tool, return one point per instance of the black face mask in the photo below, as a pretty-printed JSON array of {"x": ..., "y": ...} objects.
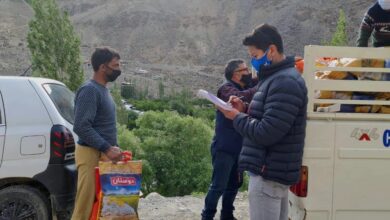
[
  {"x": 113, "y": 76},
  {"x": 246, "y": 79}
]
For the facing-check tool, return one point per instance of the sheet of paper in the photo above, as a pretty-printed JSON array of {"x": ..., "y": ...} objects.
[
  {"x": 214, "y": 99},
  {"x": 332, "y": 108}
]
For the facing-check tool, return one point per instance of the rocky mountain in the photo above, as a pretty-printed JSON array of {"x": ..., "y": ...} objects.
[{"x": 179, "y": 42}]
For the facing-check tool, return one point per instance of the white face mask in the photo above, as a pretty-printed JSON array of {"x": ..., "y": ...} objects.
[{"x": 385, "y": 4}]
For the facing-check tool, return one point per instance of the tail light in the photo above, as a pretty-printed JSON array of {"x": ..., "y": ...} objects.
[
  {"x": 300, "y": 189},
  {"x": 62, "y": 145}
]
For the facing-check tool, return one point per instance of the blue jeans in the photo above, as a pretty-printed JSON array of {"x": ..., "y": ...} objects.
[{"x": 226, "y": 181}]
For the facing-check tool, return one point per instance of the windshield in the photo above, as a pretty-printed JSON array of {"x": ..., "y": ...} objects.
[{"x": 63, "y": 99}]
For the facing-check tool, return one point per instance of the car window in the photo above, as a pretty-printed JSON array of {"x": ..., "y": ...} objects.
[{"x": 63, "y": 99}]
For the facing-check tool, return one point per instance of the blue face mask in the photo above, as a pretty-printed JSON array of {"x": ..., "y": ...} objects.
[{"x": 258, "y": 63}]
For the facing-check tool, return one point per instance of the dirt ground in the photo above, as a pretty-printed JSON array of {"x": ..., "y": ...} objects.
[{"x": 157, "y": 207}]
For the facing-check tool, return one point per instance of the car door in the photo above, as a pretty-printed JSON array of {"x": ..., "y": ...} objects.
[{"x": 2, "y": 128}]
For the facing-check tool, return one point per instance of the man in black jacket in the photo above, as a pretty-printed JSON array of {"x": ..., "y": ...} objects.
[
  {"x": 272, "y": 125},
  {"x": 227, "y": 143}
]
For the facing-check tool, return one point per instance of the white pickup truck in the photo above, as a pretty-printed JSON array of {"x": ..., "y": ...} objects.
[{"x": 347, "y": 154}]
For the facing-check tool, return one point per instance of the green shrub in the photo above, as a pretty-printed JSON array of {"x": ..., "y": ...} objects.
[
  {"x": 177, "y": 149},
  {"x": 132, "y": 118},
  {"x": 128, "y": 141}
]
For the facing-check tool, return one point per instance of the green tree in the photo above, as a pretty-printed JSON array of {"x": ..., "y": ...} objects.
[
  {"x": 339, "y": 37},
  {"x": 54, "y": 46},
  {"x": 132, "y": 118},
  {"x": 183, "y": 107},
  {"x": 177, "y": 150},
  {"x": 121, "y": 113},
  {"x": 161, "y": 89},
  {"x": 145, "y": 93},
  {"x": 128, "y": 90},
  {"x": 128, "y": 141}
]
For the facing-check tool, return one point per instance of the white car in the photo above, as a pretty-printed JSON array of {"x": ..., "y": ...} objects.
[
  {"x": 130, "y": 107},
  {"x": 37, "y": 167}
]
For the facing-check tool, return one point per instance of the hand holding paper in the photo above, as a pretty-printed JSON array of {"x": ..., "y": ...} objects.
[
  {"x": 214, "y": 99},
  {"x": 237, "y": 103},
  {"x": 226, "y": 108}
]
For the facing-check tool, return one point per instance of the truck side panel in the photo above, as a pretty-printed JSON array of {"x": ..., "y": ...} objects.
[
  {"x": 319, "y": 157},
  {"x": 362, "y": 174}
]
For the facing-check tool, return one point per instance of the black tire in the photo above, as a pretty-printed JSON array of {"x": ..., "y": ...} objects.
[
  {"x": 23, "y": 203},
  {"x": 64, "y": 215}
]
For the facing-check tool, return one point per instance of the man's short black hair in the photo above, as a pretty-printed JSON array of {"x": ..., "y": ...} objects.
[
  {"x": 103, "y": 55},
  {"x": 263, "y": 36},
  {"x": 232, "y": 66}
]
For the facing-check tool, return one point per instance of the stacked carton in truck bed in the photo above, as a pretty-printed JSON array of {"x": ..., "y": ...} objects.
[{"x": 352, "y": 95}]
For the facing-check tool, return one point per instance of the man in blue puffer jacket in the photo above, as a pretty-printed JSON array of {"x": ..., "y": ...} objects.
[
  {"x": 227, "y": 143},
  {"x": 272, "y": 125}
]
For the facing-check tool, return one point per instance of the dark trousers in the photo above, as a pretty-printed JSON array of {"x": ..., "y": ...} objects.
[{"x": 226, "y": 181}]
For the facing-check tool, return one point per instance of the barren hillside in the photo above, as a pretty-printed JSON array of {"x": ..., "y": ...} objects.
[{"x": 180, "y": 42}]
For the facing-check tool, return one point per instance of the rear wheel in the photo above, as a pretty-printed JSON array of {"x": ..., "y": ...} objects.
[
  {"x": 64, "y": 215},
  {"x": 23, "y": 203}
]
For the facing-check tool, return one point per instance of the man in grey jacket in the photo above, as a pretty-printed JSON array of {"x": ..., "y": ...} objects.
[{"x": 272, "y": 125}]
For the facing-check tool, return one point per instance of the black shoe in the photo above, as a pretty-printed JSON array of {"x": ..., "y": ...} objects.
[
  {"x": 207, "y": 218},
  {"x": 230, "y": 218},
  {"x": 227, "y": 217}
]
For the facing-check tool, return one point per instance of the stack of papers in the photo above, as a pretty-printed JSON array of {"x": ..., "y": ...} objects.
[{"x": 214, "y": 99}]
